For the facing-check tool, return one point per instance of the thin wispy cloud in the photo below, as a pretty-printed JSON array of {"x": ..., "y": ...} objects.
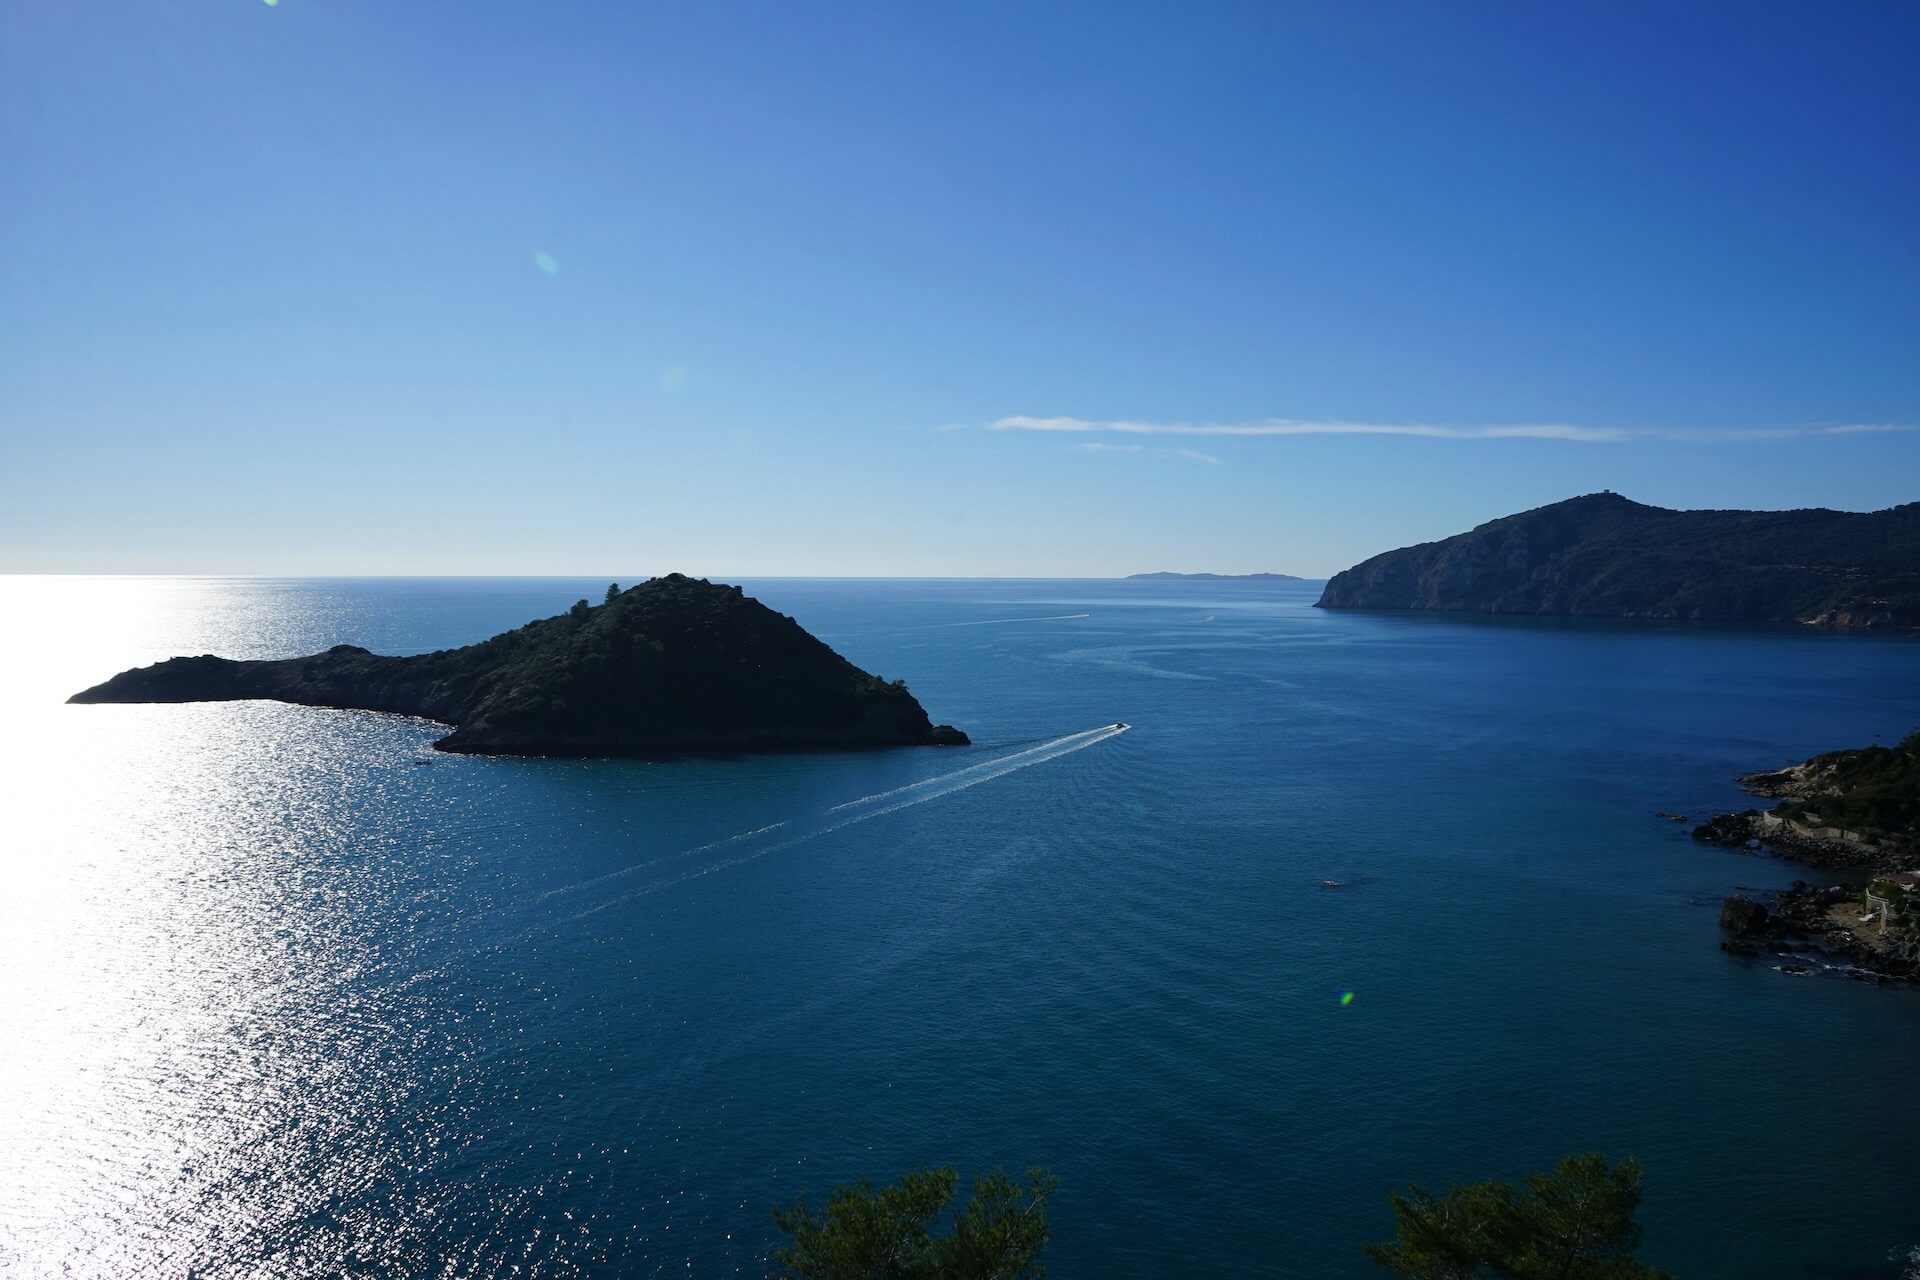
[
  {"x": 1422, "y": 430},
  {"x": 1107, "y": 446},
  {"x": 1294, "y": 427}
]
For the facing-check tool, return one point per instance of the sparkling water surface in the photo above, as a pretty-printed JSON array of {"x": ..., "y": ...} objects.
[{"x": 284, "y": 993}]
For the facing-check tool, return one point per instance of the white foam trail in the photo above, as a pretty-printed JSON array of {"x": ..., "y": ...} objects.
[
  {"x": 711, "y": 845},
  {"x": 984, "y": 764},
  {"x": 850, "y": 804},
  {"x": 996, "y": 622},
  {"x": 945, "y": 785}
]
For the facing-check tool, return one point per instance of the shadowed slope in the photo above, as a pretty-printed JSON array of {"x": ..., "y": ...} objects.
[{"x": 1602, "y": 555}]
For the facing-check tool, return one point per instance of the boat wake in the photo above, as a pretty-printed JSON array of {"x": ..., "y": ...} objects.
[
  {"x": 623, "y": 872},
  {"x": 1051, "y": 749},
  {"x": 1000, "y": 622},
  {"x": 844, "y": 815}
]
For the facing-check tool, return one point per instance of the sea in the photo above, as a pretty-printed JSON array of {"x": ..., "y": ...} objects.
[{"x": 1353, "y": 901}]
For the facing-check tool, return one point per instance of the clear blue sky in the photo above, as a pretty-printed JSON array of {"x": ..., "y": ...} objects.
[{"x": 483, "y": 287}]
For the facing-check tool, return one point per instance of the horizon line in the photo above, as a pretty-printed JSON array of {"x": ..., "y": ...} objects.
[{"x": 767, "y": 577}]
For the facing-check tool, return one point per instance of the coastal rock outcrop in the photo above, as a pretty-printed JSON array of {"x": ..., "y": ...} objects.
[
  {"x": 1855, "y": 811},
  {"x": 1740, "y": 914},
  {"x": 1604, "y": 556},
  {"x": 676, "y": 665}
]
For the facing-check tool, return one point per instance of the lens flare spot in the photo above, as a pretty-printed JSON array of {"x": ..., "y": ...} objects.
[
  {"x": 545, "y": 261},
  {"x": 1346, "y": 998},
  {"x": 673, "y": 377}
]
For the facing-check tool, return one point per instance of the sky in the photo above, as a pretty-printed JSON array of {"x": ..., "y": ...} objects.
[{"x": 354, "y": 286}]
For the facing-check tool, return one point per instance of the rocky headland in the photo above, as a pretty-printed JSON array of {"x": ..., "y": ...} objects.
[
  {"x": 1605, "y": 556},
  {"x": 673, "y": 666},
  {"x": 1854, "y": 812}
]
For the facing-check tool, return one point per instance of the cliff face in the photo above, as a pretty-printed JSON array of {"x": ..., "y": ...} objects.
[
  {"x": 1604, "y": 556},
  {"x": 674, "y": 665}
]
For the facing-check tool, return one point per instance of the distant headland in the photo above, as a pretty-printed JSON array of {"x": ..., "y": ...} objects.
[
  {"x": 1217, "y": 577},
  {"x": 1604, "y": 556},
  {"x": 674, "y": 666}
]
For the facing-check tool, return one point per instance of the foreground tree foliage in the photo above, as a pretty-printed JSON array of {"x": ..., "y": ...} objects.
[
  {"x": 1575, "y": 1223},
  {"x": 884, "y": 1234}
]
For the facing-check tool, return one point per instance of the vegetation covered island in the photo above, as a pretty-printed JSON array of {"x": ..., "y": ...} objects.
[
  {"x": 674, "y": 666},
  {"x": 1605, "y": 556}
]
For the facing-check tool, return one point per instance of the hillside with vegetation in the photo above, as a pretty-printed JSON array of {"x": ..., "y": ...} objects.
[
  {"x": 1604, "y": 556},
  {"x": 672, "y": 666},
  {"x": 1874, "y": 791}
]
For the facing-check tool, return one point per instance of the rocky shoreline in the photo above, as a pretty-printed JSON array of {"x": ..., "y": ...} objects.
[
  {"x": 1816, "y": 926},
  {"x": 1754, "y": 831},
  {"x": 1811, "y": 927}
]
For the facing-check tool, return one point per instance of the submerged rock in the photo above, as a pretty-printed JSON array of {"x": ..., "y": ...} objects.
[{"x": 677, "y": 665}]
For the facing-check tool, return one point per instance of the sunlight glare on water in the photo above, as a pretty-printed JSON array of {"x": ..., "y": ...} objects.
[
  {"x": 288, "y": 994},
  {"x": 196, "y": 1060}
]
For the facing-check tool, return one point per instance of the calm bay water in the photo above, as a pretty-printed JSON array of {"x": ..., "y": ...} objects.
[{"x": 285, "y": 994}]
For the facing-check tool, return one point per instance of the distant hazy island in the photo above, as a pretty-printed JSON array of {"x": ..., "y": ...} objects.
[
  {"x": 1854, "y": 811},
  {"x": 1219, "y": 577},
  {"x": 1603, "y": 556},
  {"x": 676, "y": 665}
]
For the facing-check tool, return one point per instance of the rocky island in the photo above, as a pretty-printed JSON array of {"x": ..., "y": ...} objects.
[
  {"x": 1605, "y": 556},
  {"x": 674, "y": 666},
  {"x": 1857, "y": 812}
]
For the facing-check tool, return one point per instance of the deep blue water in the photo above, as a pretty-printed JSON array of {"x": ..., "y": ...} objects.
[{"x": 282, "y": 999}]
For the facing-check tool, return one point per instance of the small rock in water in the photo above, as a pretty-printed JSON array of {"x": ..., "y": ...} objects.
[{"x": 1741, "y": 914}]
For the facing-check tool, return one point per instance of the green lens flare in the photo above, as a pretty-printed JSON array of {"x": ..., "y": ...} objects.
[
  {"x": 546, "y": 263},
  {"x": 1346, "y": 998}
]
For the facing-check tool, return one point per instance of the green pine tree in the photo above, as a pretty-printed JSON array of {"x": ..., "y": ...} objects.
[
  {"x": 885, "y": 1233},
  {"x": 1575, "y": 1223}
]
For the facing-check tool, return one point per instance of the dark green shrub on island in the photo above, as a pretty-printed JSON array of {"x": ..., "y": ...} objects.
[{"x": 1873, "y": 792}]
